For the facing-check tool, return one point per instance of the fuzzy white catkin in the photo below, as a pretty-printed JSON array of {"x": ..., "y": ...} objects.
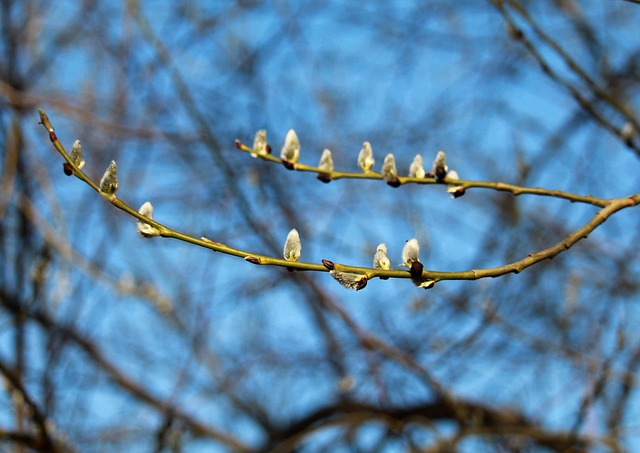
[
  {"x": 326, "y": 161},
  {"x": 292, "y": 246},
  {"x": 410, "y": 252},
  {"x": 380, "y": 259},
  {"x": 440, "y": 161},
  {"x": 76, "y": 154},
  {"x": 349, "y": 280},
  {"x": 109, "y": 181},
  {"x": 454, "y": 189},
  {"x": 389, "y": 168},
  {"x": 260, "y": 143},
  {"x": 365, "y": 158},
  {"x": 144, "y": 229},
  {"x": 416, "y": 170},
  {"x": 291, "y": 149},
  {"x": 452, "y": 175}
]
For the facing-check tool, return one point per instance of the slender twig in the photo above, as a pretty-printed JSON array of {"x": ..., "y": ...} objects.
[
  {"x": 122, "y": 380},
  {"x": 479, "y": 421},
  {"x": 466, "y": 184},
  {"x": 581, "y": 99},
  {"x": 609, "y": 207},
  {"x": 43, "y": 438},
  {"x": 600, "y": 92}
]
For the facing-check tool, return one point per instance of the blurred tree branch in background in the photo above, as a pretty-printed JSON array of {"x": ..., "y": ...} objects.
[{"x": 110, "y": 342}]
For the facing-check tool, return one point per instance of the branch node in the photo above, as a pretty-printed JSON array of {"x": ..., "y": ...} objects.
[
  {"x": 253, "y": 259},
  {"x": 67, "y": 169},
  {"x": 394, "y": 182}
]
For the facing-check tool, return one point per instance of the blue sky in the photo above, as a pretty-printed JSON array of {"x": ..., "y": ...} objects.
[{"x": 406, "y": 76}]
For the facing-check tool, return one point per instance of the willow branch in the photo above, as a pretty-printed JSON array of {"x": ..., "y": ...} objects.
[
  {"x": 546, "y": 67},
  {"x": 477, "y": 420},
  {"x": 129, "y": 385},
  {"x": 42, "y": 423},
  {"x": 466, "y": 184},
  {"x": 609, "y": 207}
]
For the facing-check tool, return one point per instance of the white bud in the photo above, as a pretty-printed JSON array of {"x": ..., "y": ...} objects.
[
  {"x": 440, "y": 168},
  {"x": 109, "y": 181},
  {"x": 365, "y": 158},
  {"x": 349, "y": 280},
  {"x": 326, "y": 161},
  {"x": 291, "y": 149},
  {"x": 416, "y": 170},
  {"x": 380, "y": 259},
  {"x": 453, "y": 189},
  {"x": 260, "y": 143},
  {"x": 144, "y": 229},
  {"x": 292, "y": 246},
  {"x": 389, "y": 172},
  {"x": 76, "y": 154},
  {"x": 452, "y": 175},
  {"x": 410, "y": 252},
  {"x": 440, "y": 160}
]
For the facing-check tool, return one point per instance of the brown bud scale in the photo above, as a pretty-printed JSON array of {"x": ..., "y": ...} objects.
[
  {"x": 329, "y": 264},
  {"x": 68, "y": 170},
  {"x": 459, "y": 192},
  {"x": 324, "y": 178},
  {"x": 394, "y": 182},
  {"x": 416, "y": 269},
  {"x": 362, "y": 283}
]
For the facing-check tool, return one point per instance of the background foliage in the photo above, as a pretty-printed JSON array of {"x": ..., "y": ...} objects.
[{"x": 111, "y": 342}]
